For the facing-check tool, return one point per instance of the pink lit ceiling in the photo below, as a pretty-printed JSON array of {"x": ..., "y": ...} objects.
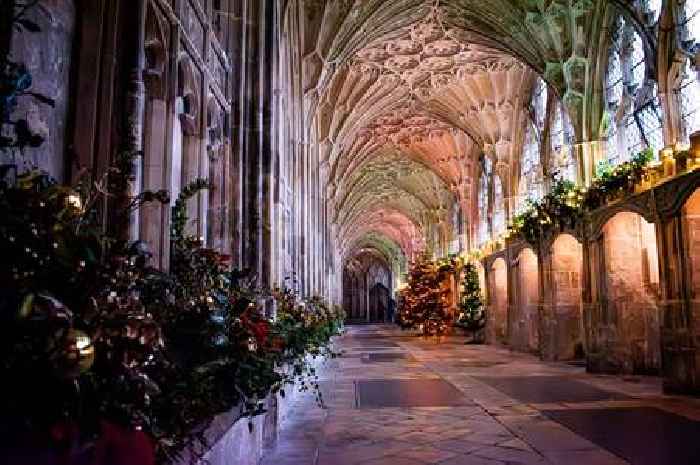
[{"x": 406, "y": 95}]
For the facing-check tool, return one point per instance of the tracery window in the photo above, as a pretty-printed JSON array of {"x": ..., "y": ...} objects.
[
  {"x": 653, "y": 8},
  {"x": 538, "y": 105},
  {"x": 483, "y": 201},
  {"x": 634, "y": 117},
  {"x": 689, "y": 88},
  {"x": 499, "y": 211},
  {"x": 530, "y": 185},
  {"x": 614, "y": 91},
  {"x": 562, "y": 162}
]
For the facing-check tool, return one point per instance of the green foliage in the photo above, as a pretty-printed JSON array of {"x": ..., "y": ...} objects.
[
  {"x": 178, "y": 220},
  {"x": 421, "y": 303},
  {"x": 565, "y": 205},
  {"x": 90, "y": 332}
]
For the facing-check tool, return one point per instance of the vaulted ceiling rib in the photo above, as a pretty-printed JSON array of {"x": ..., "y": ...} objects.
[{"x": 406, "y": 95}]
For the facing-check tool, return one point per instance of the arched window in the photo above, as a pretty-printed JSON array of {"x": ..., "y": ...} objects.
[
  {"x": 562, "y": 162},
  {"x": 614, "y": 92},
  {"x": 483, "y": 201},
  {"x": 499, "y": 210},
  {"x": 530, "y": 185},
  {"x": 689, "y": 89},
  {"x": 653, "y": 9},
  {"x": 634, "y": 118},
  {"x": 538, "y": 105}
]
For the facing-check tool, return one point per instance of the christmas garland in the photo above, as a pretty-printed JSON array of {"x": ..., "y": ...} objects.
[
  {"x": 95, "y": 340},
  {"x": 104, "y": 354},
  {"x": 565, "y": 205}
]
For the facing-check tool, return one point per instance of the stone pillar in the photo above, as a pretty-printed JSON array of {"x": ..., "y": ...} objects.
[
  {"x": 547, "y": 321},
  {"x": 680, "y": 360},
  {"x": 255, "y": 147},
  {"x": 588, "y": 155},
  {"x": 135, "y": 106}
]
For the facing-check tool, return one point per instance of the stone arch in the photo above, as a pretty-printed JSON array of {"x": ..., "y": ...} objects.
[
  {"x": 629, "y": 287},
  {"x": 523, "y": 319},
  {"x": 563, "y": 323},
  {"x": 599, "y": 222},
  {"x": 497, "y": 318}
]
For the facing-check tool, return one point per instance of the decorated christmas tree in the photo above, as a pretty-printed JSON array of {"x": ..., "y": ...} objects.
[
  {"x": 472, "y": 315},
  {"x": 421, "y": 302}
]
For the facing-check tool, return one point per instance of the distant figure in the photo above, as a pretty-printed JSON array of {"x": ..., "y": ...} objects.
[{"x": 391, "y": 310}]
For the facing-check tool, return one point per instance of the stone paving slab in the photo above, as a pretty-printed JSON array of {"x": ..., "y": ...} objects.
[
  {"x": 641, "y": 435},
  {"x": 387, "y": 357},
  {"x": 492, "y": 428},
  {"x": 408, "y": 393},
  {"x": 543, "y": 389}
]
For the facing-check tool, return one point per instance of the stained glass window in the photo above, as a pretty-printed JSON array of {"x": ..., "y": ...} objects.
[
  {"x": 483, "y": 202},
  {"x": 614, "y": 92},
  {"x": 562, "y": 162},
  {"x": 690, "y": 23},
  {"x": 653, "y": 8},
  {"x": 499, "y": 211},
  {"x": 539, "y": 104},
  {"x": 530, "y": 185},
  {"x": 689, "y": 89},
  {"x": 634, "y": 118}
]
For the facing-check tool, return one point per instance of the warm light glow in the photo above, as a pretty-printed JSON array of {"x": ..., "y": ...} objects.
[
  {"x": 82, "y": 343},
  {"x": 74, "y": 201}
]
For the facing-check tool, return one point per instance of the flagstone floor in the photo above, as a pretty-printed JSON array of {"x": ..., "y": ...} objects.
[{"x": 396, "y": 399}]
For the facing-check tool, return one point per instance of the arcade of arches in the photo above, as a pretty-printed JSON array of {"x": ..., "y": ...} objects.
[{"x": 343, "y": 138}]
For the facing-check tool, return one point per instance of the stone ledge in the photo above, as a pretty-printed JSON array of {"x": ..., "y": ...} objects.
[{"x": 233, "y": 443}]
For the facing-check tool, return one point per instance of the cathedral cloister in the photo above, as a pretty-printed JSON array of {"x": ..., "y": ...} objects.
[{"x": 408, "y": 232}]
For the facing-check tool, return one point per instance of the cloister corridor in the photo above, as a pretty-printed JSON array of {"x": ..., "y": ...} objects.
[
  {"x": 396, "y": 399},
  {"x": 469, "y": 230}
]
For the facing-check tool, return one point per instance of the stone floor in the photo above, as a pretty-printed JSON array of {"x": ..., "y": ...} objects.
[{"x": 397, "y": 399}]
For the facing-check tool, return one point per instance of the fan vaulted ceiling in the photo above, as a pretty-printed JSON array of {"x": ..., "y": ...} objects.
[{"x": 406, "y": 95}]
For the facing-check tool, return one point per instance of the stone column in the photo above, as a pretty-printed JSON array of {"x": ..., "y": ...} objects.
[
  {"x": 547, "y": 321},
  {"x": 600, "y": 318},
  {"x": 134, "y": 107},
  {"x": 588, "y": 155},
  {"x": 680, "y": 361}
]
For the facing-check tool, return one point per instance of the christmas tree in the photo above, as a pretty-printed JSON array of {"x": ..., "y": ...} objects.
[
  {"x": 421, "y": 303},
  {"x": 472, "y": 315}
]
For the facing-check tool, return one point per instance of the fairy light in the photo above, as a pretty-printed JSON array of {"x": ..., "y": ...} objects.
[{"x": 73, "y": 200}]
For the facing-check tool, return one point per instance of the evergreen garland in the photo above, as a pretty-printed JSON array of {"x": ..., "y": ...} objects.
[{"x": 566, "y": 205}]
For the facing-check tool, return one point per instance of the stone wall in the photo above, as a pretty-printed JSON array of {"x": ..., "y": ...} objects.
[
  {"x": 497, "y": 316},
  {"x": 523, "y": 320},
  {"x": 631, "y": 278},
  {"x": 566, "y": 324},
  {"x": 691, "y": 227},
  {"x": 235, "y": 443},
  {"x": 50, "y": 66}
]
